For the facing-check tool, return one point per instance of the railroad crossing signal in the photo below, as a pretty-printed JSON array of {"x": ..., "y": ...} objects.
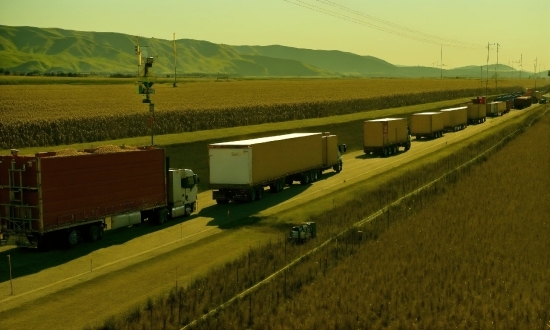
[
  {"x": 145, "y": 86},
  {"x": 145, "y": 83}
]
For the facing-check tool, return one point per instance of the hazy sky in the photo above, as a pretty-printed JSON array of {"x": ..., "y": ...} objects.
[{"x": 402, "y": 32}]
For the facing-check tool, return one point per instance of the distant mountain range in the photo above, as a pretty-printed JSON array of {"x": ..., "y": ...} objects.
[{"x": 28, "y": 49}]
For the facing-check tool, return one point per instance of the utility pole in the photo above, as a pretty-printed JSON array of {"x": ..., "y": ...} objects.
[
  {"x": 535, "y": 73},
  {"x": 480, "y": 78},
  {"x": 520, "y": 65},
  {"x": 496, "y": 71},
  {"x": 441, "y": 62},
  {"x": 175, "y": 60},
  {"x": 487, "y": 81}
]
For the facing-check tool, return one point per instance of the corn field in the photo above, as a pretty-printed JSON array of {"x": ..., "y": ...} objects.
[{"x": 51, "y": 115}]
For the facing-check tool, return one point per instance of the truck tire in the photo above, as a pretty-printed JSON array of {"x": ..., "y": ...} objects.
[
  {"x": 252, "y": 195},
  {"x": 314, "y": 176},
  {"x": 73, "y": 237},
  {"x": 385, "y": 153},
  {"x": 160, "y": 216},
  {"x": 337, "y": 168},
  {"x": 259, "y": 193},
  {"x": 94, "y": 232},
  {"x": 280, "y": 185},
  {"x": 305, "y": 178},
  {"x": 408, "y": 145}
]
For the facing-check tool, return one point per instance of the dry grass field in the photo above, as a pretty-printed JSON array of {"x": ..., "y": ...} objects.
[
  {"x": 50, "y": 115},
  {"x": 457, "y": 255}
]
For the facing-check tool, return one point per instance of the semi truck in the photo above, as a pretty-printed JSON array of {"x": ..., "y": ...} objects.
[
  {"x": 477, "y": 112},
  {"x": 535, "y": 95},
  {"x": 427, "y": 124},
  {"x": 495, "y": 109},
  {"x": 455, "y": 119},
  {"x": 50, "y": 199},
  {"x": 241, "y": 170},
  {"x": 522, "y": 102},
  {"x": 509, "y": 99},
  {"x": 385, "y": 136}
]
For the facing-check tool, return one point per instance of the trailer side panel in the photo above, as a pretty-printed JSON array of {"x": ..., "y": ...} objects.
[
  {"x": 87, "y": 187},
  {"x": 64, "y": 191}
]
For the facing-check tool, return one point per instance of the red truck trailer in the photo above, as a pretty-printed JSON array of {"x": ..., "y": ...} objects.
[{"x": 49, "y": 198}]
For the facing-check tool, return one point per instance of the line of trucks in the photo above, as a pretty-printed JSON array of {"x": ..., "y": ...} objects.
[
  {"x": 385, "y": 136},
  {"x": 53, "y": 198}
]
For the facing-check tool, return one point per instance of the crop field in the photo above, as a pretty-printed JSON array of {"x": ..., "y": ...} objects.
[
  {"x": 54, "y": 101},
  {"x": 60, "y": 114},
  {"x": 428, "y": 262}
]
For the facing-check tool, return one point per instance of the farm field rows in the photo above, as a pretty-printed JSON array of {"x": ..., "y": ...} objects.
[
  {"x": 43, "y": 115},
  {"x": 211, "y": 220},
  {"x": 45, "y": 102}
]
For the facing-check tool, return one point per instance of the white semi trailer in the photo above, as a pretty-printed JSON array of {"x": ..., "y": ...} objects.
[{"x": 240, "y": 170}]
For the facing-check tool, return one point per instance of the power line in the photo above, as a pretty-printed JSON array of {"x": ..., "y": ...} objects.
[
  {"x": 427, "y": 35},
  {"x": 423, "y": 38}
]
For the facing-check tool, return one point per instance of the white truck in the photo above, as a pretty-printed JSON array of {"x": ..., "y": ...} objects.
[{"x": 240, "y": 170}]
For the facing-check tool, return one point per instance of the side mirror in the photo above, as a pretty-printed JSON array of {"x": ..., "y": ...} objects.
[{"x": 342, "y": 148}]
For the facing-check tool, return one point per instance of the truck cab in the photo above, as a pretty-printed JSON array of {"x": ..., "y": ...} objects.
[
  {"x": 341, "y": 149},
  {"x": 182, "y": 192}
]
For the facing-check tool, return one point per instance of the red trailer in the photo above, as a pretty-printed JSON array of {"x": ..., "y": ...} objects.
[
  {"x": 522, "y": 102},
  {"x": 47, "y": 197}
]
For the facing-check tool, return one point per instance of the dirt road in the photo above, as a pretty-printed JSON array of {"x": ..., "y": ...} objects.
[{"x": 71, "y": 289}]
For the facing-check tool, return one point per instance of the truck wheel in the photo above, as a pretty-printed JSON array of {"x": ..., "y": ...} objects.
[
  {"x": 337, "y": 168},
  {"x": 385, "y": 152},
  {"x": 93, "y": 233},
  {"x": 73, "y": 237},
  {"x": 161, "y": 216},
  {"x": 314, "y": 176},
  {"x": 252, "y": 195},
  {"x": 305, "y": 178},
  {"x": 395, "y": 149},
  {"x": 260, "y": 193},
  {"x": 408, "y": 145},
  {"x": 280, "y": 185}
]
